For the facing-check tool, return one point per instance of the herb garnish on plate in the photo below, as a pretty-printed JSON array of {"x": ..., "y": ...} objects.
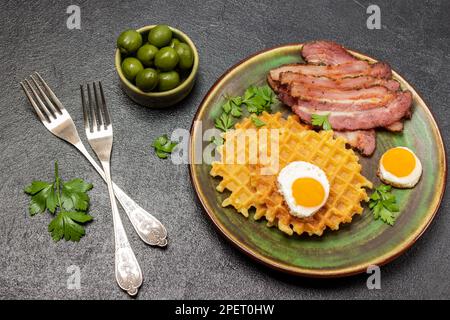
[
  {"x": 321, "y": 121},
  {"x": 224, "y": 122},
  {"x": 257, "y": 122},
  {"x": 255, "y": 99},
  {"x": 383, "y": 204}
]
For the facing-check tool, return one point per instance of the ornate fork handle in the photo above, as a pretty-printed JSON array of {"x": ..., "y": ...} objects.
[
  {"x": 149, "y": 229},
  {"x": 147, "y": 226},
  {"x": 127, "y": 269}
]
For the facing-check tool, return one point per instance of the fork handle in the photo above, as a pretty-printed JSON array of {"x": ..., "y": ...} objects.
[
  {"x": 149, "y": 229},
  {"x": 127, "y": 269}
]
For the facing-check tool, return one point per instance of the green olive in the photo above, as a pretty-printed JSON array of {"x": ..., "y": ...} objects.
[
  {"x": 166, "y": 59},
  {"x": 129, "y": 41},
  {"x": 146, "y": 54},
  {"x": 160, "y": 35},
  {"x": 131, "y": 67},
  {"x": 174, "y": 42},
  {"x": 168, "y": 80},
  {"x": 147, "y": 79},
  {"x": 185, "y": 54}
]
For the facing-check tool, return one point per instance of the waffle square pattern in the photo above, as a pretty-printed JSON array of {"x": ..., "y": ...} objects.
[{"x": 252, "y": 157}]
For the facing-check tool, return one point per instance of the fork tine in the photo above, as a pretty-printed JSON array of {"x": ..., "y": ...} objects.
[
  {"x": 93, "y": 119},
  {"x": 85, "y": 109},
  {"x": 40, "y": 102},
  {"x": 105, "y": 111},
  {"x": 47, "y": 100},
  {"x": 34, "y": 104},
  {"x": 52, "y": 95},
  {"x": 100, "y": 120}
]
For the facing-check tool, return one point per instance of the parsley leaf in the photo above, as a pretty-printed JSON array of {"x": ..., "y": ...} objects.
[
  {"x": 255, "y": 99},
  {"x": 67, "y": 224},
  {"x": 160, "y": 141},
  {"x": 162, "y": 154},
  {"x": 236, "y": 100},
  {"x": 321, "y": 121},
  {"x": 224, "y": 122},
  {"x": 168, "y": 147},
  {"x": 383, "y": 204},
  {"x": 70, "y": 196},
  {"x": 233, "y": 107},
  {"x": 217, "y": 140},
  {"x": 249, "y": 93},
  {"x": 258, "y": 122},
  {"x": 257, "y": 104},
  {"x": 41, "y": 197},
  {"x": 387, "y": 216},
  {"x": 36, "y": 186},
  {"x": 266, "y": 93},
  {"x": 259, "y": 99},
  {"x": 163, "y": 146},
  {"x": 236, "y": 111},
  {"x": 74, "y": 196},
  {"x": 52, "y": 201},
  {"x": 227, "y": 107},
  {"x": 252, "y": 108}
]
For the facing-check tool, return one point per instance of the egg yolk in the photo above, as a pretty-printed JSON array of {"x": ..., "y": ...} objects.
[
  {"x": 308, "y": 192},
  {"x": 399, "y": 161}
]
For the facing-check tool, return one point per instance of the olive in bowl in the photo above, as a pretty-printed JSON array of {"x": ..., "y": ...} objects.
[
  {"x": 131, "y": 67},
  {"x": 169, "y": 65}
]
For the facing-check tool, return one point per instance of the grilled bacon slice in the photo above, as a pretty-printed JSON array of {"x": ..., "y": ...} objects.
[
  {"x": 396, "y": 126},
  {"x": 342, "y": 100},
  {"x": 363, "y": 140},
  {"x": 320, "y": 100},
  {"x": 326, "y": 52},
  {"x": 357, "y": 96},
  {"x": 352, "y": 69},
  {"x": 359, "y": 119},
  {"x": 287, "y": 78}
]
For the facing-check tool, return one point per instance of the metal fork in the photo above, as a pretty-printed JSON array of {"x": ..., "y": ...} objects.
[
  {"x": 99, "y": 132},
  {"x": 58, "y": 121}
]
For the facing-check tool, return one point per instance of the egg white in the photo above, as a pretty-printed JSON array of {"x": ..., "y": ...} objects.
[
  {"x": 408, "y": 181},
  {"x": 293, "y": 171}
]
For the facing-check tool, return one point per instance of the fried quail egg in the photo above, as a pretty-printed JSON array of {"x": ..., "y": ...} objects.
[
  {"x": 400, "y": 168},
  {"x": 304, "y": 186}
]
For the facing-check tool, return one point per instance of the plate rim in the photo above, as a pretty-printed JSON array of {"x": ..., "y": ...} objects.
[{"x": 308, "y": 272}]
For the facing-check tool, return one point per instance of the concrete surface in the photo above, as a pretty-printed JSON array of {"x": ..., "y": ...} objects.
[{"x": 198, "y": 263}]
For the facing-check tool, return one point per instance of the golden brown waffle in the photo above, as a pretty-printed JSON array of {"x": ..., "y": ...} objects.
[
  {"x": 236, "y": 176},
  {"x": 344, "y": 174},
  {"x": 249, "y": 188}
]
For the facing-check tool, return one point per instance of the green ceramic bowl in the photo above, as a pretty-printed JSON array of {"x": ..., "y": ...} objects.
[
  {"x": 159, "y": 99},
  {"x": 355, "y": 246}
]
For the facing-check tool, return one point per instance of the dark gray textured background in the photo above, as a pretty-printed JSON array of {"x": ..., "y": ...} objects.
[{"x": 198, "y": 262}]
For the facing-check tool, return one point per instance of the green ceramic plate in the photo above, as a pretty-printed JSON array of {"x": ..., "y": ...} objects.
[{"x": 355, "y": 246}]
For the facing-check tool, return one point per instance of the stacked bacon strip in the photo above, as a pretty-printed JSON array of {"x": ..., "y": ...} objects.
[{"x": 357, "y": 96}]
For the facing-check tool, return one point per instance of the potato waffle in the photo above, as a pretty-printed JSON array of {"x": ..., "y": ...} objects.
[
  {"x": 249, "y": 188},
  {"x": 343, "y": 172},
  {"x": 236, "y": 176}
]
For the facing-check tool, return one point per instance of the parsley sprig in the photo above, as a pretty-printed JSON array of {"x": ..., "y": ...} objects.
[
  {"x": 321, "y": 121},
  {"x": 259, "y": 99},
  {"x": 233, "y": 106},
  {"x": 217, "y": 140},
  {"x": 257, "y": 122},
  {"x": 255, "y": 100},
  {"x": 383, "y": 204},
  {"x": 224, "y": 122},
  {"x": 163, "y": 146},
  {"x": 67, "y": 201}
]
